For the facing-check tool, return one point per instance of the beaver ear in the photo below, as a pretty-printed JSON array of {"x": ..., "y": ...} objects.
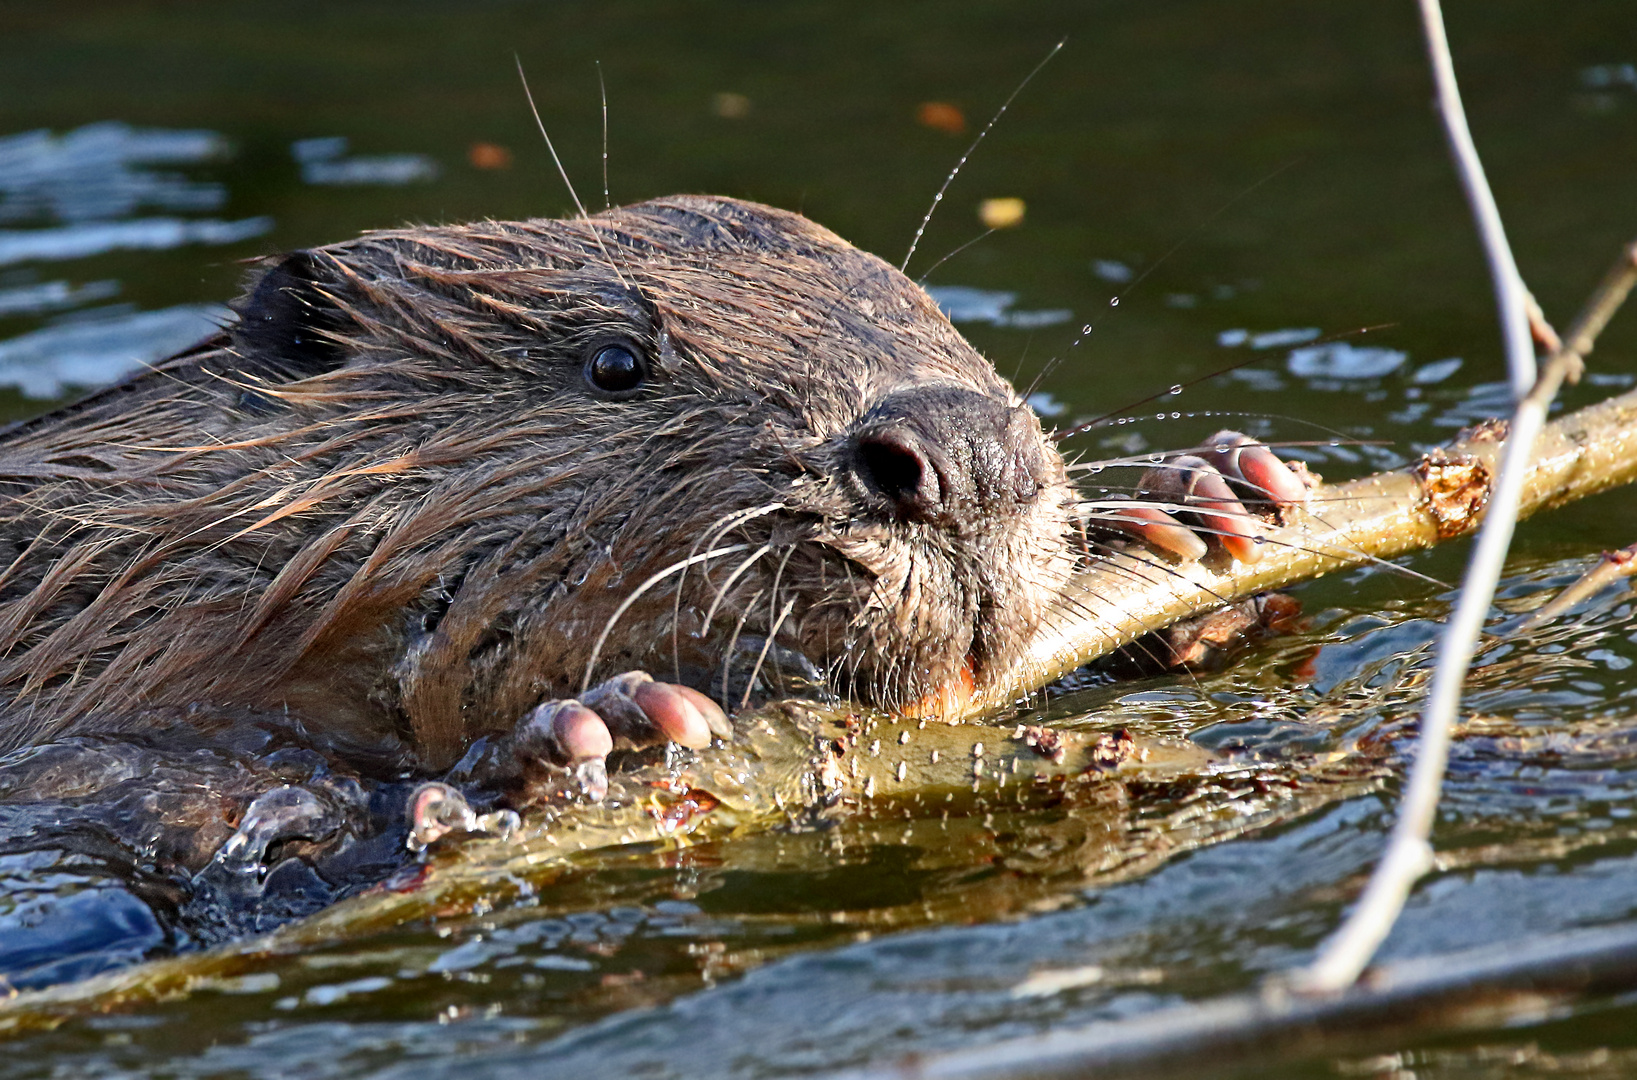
[{"x": 283, "y": 322}]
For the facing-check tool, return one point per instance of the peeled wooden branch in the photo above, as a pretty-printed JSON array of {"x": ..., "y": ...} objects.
[
  {"x": 1612, "y": 567},
  {"x": 1368, "y": 520}
]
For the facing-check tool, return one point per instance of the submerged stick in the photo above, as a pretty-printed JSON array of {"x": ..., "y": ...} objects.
[
  {"x": 1491, "y": 987},
  {"x": 1613, "y": 566}
]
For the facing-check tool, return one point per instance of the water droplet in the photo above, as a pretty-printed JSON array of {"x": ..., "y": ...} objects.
[
  {"x": 1097, "y": 468},
  {"x": 1086, "y": 329},
  {"x": 1177, "y": 389},
  {"x": 1114, "y": 301},
  {"x": 1176, "y": 416},
  {"x": 1156, "y": 458}
]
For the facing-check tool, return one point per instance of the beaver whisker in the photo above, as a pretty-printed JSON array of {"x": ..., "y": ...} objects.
[
  {"x": 886, "y": 680},
  {"x": 625, "y": 605},
  {"x": 1133, "y": 567},
  {"x": 722, "y": 590},
  {"x": 1118, "y": 510},
  {"x": 778, "y": 576},
  {"x": 719, "y": 528},
  {"x": 733, "y": 639},
  {"x": 1076, "y": 607},
  {"x": 849, "y": 645},
  {"x": 1109, "y": 512},
  {"x": 920, "y": 229},
  {"x": 711, "y": 534},
  {"x": 761, "y": 658},
  {"x": 586, "y": 218},
  {"x": 773, "y": 595},
  {"x": 848, "y": 664},
  {"x": 1273, "y": 539}
]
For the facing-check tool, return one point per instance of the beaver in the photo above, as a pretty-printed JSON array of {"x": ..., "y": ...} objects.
[{"x": 446, "y": 500}]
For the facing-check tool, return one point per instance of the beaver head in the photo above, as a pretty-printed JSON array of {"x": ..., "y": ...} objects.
[{"x": 436, "y": 475}]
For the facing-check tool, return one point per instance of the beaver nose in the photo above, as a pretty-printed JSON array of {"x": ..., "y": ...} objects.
[{"x": 940, "y": 453}]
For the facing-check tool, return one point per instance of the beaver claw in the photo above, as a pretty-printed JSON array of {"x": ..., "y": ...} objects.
[
  {"x": 628, "y": 711},
  {"x": 1215, "y": 493}
]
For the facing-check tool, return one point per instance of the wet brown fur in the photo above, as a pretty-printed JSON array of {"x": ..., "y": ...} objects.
[{"x": 413, "y": 546}]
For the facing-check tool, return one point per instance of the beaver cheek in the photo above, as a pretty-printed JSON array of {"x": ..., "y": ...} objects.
[{"x": 677, "y": 718}]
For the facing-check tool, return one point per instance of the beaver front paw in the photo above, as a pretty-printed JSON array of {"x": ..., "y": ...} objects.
[
  {"x": 627, "y": 712},
  {"x": 1215, "y": 496}
]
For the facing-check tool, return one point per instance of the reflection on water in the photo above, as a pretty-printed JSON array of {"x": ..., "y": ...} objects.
[
  {"x": 53, "y": 296},
  {"x": 65, "y": 917},
  {"x": 84, "y": 194},
  {"x": 1267, "y": 339},
  {"x": 964, "y": 304},
  {"x": 1341, "y": 360},
  {"x": 95, "y": 179},
  {"x": 326, "y": 161},
  {"x": 102, "y": 171},
  {"x": 100, "y": 345},
  {"x": 80, "y": 195},
  {"x": 143, "y": 234}
]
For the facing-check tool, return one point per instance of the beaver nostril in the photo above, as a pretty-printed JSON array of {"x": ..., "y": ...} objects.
[
  {"x": 889, "y": 462},
  {"x": 950, "y": 456}
]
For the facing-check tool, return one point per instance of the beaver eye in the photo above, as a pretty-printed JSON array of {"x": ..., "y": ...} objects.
[{"x": 616, "y": 368}]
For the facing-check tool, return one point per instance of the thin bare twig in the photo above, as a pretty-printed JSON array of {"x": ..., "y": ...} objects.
[
  {"x": 1611, "y": 293},
  {"x": 1540, "y": 328},
  {"x": 1408, "y": 855},
  {"x": 1511, "y": 297}
]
